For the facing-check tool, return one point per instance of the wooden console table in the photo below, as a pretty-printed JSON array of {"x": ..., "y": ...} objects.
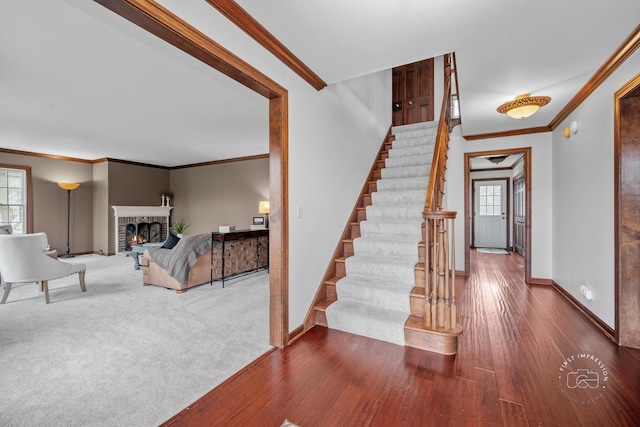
[{"x": 244, "y": 256}]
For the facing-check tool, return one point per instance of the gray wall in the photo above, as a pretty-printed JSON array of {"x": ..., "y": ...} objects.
[
  {"x": 50, "y": 201},
  {"x": 219, "y": 194},
  {"x": 133, "y": 185},
  {"x": 205, "y": 196}
]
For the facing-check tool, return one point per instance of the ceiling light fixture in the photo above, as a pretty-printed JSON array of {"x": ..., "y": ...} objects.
[
  {"x": 496, "y": 159},
  {"x": 523, "y": 106}
]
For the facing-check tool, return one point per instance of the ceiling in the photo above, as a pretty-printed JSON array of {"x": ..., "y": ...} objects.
[{"x": 79, "y": 81}]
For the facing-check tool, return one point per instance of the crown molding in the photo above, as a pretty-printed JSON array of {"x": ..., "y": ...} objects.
[
  {"x": 44, "y": 155},
  {"x": 624, "y": 51},
  {"x": 247, "y": 23},
  {"x": 514, "y": 132},
  {"x": 217, "y": 162}
]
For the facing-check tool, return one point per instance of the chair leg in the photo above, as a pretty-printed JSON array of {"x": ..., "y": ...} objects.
[
  {"x": 7, "y": 289},
  {"x": 45, "y": 286},
  {"x": 81, "y": 278}
]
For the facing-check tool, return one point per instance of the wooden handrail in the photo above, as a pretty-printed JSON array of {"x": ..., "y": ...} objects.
[
  {"x": 433, "y": 201},
  {"x": 440, "y": 302}
]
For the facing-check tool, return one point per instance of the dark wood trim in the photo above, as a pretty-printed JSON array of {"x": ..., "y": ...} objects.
[
  {"x": 296, "y": 334},
  {"x": 617, "y": 170},
  {"x": 624, "y": 51},
  {"x": 514, "y": 132},
  {"x": 161, "y": 22},
  {"x": 29, "y": 190},
  {"x": 491, "y": 169},
  {"x": 536, "y": 281},
  {"x": 128, "y": 162},
  {"x": 43, "y": 155},
  {"x": 526, "y": 151},
  {"x": 247, "y": 23},
  {"x": 606, "y": 329},
  {"x": 217, "y": 162}
]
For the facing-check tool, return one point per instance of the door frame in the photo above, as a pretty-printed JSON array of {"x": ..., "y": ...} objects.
[
  {"x": 622, "y": 319},
  {"x": 507, "y": 208},
  {"x": 526, "y": 152},
  {"x": 159, "y": 21}
]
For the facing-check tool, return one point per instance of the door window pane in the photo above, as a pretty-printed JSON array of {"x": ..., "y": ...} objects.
[{"x": 490, "y": 200}]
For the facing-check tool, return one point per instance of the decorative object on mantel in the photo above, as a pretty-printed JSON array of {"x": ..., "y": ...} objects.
[
  {"x": 165, "y": 199},
  {"x": 523, "y": 106},
  {"x": 69, "y": 187},
  {"x": 226, "y": 228},
  {"x": 178, "y": 227},
  {"x": 263, "y": 208}
]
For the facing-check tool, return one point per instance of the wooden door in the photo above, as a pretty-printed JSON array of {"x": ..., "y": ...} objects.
[
  {"x": 490, "y": 213},
  {"x": 412, "y": 92},
  {"x": 628, "y": 214},
  {"x": 519, "y": 214}
]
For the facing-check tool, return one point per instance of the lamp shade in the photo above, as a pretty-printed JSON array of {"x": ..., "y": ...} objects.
[
  {"x": 523, "y": 106},
  {"x": 263, "y": 208},
  {"x": 68, "y": 185}
]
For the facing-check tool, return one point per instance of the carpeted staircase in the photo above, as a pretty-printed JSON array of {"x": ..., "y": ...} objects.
[{"x": 373, "y": 297}]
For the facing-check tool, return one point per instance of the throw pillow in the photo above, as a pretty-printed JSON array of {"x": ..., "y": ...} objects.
[{"x": 171, "y": 241}]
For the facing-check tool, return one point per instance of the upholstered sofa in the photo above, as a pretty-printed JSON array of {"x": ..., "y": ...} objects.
[{"x": 243, "y": 252}]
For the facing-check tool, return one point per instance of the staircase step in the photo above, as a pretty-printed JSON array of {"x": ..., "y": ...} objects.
[
  {"x": 414, "y": 142},
  {"x": 320, "y": 312},
  {"x": 404, "y": 212},
  {"x": 417, "y": 160},
  {"x": 385, "y": 247},
  {"x": 405, "y": 172},
  {"x": 369, "y": 321},
  {"x": 409, "y": 229},
  {"x": 381, "y": 268},
  {"x": 417, "y": 150},
  {"x": 395, "y": 130},
  {"x": 384, "y": 294},
  {"x": 416, "y": 301},
  {"x": 393, "y": 184},
  {"x": 399, "y": 197},
  {"x": 418, "y": 336}
]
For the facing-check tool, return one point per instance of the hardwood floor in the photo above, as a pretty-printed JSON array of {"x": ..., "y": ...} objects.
[{"x": 508, "y": 371}]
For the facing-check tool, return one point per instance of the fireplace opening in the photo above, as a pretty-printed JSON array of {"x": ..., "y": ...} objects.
[{"x": 140, "y": 233}]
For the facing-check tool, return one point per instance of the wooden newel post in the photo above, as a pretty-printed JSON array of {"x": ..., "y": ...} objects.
[{"x": 440, "y": 302}]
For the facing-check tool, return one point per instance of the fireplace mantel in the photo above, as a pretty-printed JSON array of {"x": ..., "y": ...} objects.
[
  {"x": 135, "y": 214},
  {"x": 141, "y": 210}
]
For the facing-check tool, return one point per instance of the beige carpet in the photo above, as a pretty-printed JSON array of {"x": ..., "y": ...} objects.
[{"x": 122, "y": 354}]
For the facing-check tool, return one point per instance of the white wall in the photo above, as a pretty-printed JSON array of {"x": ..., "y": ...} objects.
[
  {"x": 583, "y": 198},
  {"x": 541, "y": 187},
  {"x": 334, "y": 136}
]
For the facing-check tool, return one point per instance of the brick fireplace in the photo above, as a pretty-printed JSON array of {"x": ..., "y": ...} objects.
[{"x": 140, "y": 218}]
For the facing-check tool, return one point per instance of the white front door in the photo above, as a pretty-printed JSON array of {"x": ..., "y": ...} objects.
[{"x": 490, "y": 214}]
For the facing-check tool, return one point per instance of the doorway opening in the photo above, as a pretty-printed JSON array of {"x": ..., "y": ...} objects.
[
  {"x": 159, "y": 21},
  {"x": 507, "y": 166}
]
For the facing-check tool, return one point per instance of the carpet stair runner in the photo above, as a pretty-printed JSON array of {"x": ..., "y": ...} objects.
[{"x": 373, "y": 297}]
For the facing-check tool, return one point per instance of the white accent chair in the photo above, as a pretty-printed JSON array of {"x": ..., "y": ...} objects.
[{"x": 23, "y": 260}]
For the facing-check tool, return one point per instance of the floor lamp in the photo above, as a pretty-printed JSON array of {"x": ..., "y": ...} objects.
[{"x": 69, "y": 186}]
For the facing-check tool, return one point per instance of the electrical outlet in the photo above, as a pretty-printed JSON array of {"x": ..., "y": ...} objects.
[{"x": 585, "y": 291}]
